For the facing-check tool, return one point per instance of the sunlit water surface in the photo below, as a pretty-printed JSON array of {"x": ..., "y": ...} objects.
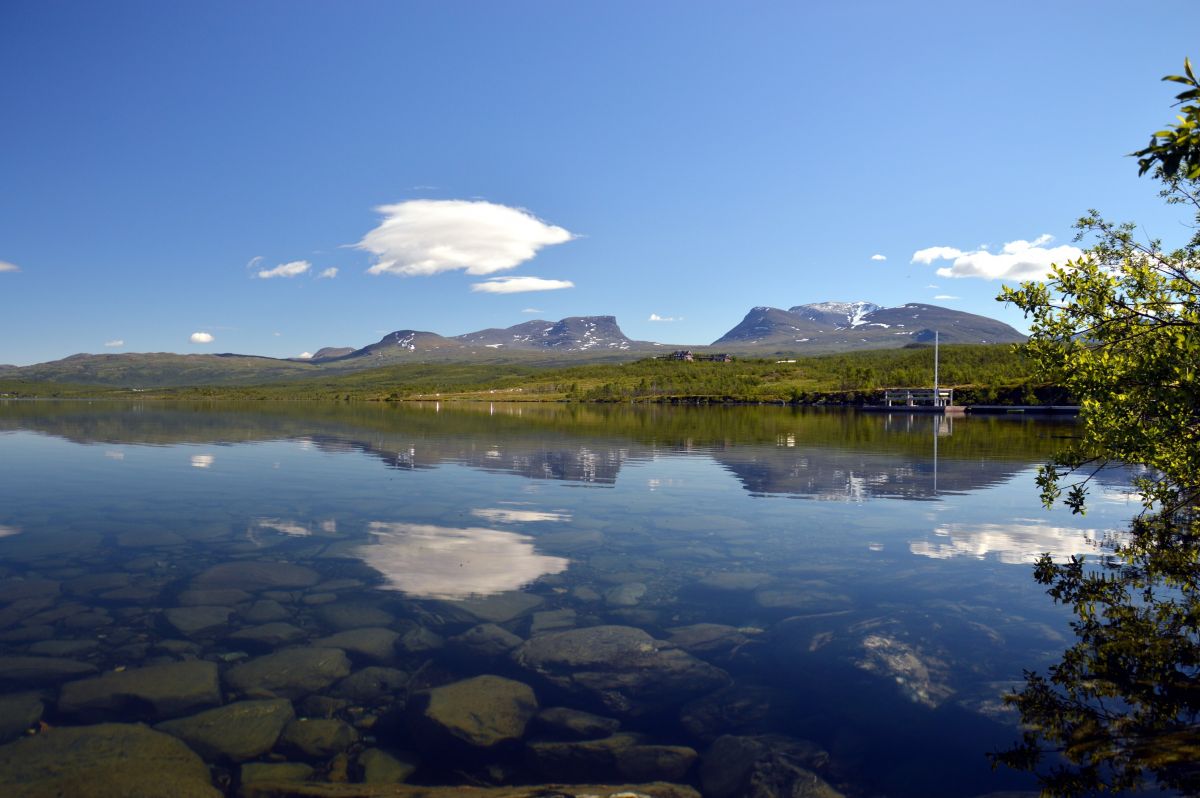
[{"x": 875, "y": 569}]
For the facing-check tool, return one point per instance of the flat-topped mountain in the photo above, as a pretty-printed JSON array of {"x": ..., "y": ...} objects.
[
  {"x": 572, "y": 334},
  {"x": 765, "y": 331},
  {"x": 829, "y": 326}
]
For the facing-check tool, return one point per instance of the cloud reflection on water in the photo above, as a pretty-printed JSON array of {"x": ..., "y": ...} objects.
[
  {"x": 1014, "y": 543},
  {"x": 440, "y": 562},
  {"x": 498, "y": 515},
  {"x": 9, "y": 531}
]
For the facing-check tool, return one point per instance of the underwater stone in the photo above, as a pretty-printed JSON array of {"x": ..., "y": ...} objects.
[
  {"x": 764, "y": 767},
  {"x": 255, "y": 576},
  {"x": 266, "y": 611},
  {"x": 486, "y": 640},
  {"x": 238, "y": 731},
  {"x": 192, "y": 620},
  {"x": 481, "y": 712},
  {"x": 500, "y": 607},
  {"x": 110, "y": 760},
  {"x": 380, "y": 767},
  {"x": 275, "y": 771},
  {"x": 373, "y": 684},
  {"x": 569, "y": 722},
  {"x": 291, "y": 673},
  {"x": 269, "y": 634},
  {"x": 346, "y": 615},
  {"x": 156, "y": 692},
  {"x": 42, "y": 670},
  {"x": 372, "y": 642},
  {"x": 18, "y": 711},
  {"x": 319, "y": 737},
  {"x": 624, "y": 668}
]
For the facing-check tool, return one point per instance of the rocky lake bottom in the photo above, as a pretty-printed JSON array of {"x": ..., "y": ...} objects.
[{"x": 499, "y": 608}]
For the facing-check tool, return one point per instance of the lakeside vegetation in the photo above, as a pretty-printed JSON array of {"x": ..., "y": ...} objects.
[{"x": 983, "y": 373}]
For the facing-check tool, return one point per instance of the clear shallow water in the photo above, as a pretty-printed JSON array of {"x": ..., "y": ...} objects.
[{"x": 874, "y": 569}]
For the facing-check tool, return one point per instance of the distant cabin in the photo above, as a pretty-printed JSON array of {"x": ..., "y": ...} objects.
[{"x": 689, "y": 356}]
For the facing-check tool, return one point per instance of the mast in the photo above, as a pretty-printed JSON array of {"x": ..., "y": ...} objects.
[{"x": 937, "y": 399}]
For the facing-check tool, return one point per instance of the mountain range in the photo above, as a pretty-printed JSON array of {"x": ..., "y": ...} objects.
[{"x": 765, "y": 331}]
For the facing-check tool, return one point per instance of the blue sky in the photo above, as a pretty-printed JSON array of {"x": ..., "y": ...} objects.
[{"x": 165, "y": 167}]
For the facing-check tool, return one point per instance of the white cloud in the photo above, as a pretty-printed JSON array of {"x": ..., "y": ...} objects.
[
  {"x": 201, "y": 338},
  {"x": 1017, "y": 260},
  {"x": 304, "y": 355},
  {"x": 531, "y": 310},
  {"x": 656, "y": 317},
  {"x": 291, "y": 269},
  {"x": 114, "y": 343},
  {"x": 878, "y": 257},
  {"x": 422, "y": 237},
  {"x": 946, "y": 296},
  {"x": 328, "y": 274},
  {"x": 518, "y": 285},
  {"x": 5, "y": 266},
  {"x": 276, "y": 334}
]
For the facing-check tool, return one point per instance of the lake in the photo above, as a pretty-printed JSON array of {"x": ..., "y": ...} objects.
[{"x": 642, "y": 589}]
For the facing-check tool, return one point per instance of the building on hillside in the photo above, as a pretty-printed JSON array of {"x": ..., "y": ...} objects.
[{"x": 689, "y": 356}]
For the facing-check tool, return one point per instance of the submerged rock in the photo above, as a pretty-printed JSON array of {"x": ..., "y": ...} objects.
[
  {"x": 579, "y": 759},
  {"x": 380, "y": 767},
  {"x": 291, "y": 673},
  {"x": 253, "y": 576},
  {"x": 319, "y": 737},
  {"x": 374, "y": 684},
  {"x": 110, "y": 760},
  {"x": 195, "y": 619},
  {"x": 18, "y": 711},
  {"x": 568, "y": 722},
  {"x": 41, "y": 670},
  {"x": 372, "y": 642},
  {"x": 763, "y": 767},
  {"x": 480, "y": 712},
  {"x": 624, "y": 668},
  {"x": 237, "y": 731},
  {"x": 269, "y": 634},
  {"x": 349, "y": 615},
  {"x": 275, "y": 772},
  {"x": 310, "y": 789},
  {"x": 156, "y": 692},
  {"x": 485, "y": 640},
  {"x": 499, "y": 608},
  {"x": 266, "y": 611}
]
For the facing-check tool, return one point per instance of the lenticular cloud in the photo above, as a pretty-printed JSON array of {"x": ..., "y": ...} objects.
[{"x": 422, "y": 237}]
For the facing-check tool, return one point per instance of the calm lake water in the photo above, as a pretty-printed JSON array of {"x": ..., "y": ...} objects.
[{"x": 858, "y": 585}]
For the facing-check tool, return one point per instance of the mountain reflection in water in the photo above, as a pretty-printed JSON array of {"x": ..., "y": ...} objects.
[{"x": 858, "y": 580}]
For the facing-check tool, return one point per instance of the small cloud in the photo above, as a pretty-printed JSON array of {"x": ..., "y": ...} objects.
[
  {"x": 878, "y": 257},
  {"x": 1016, "y": 260},
  {"x": 253, "y": 262},
  {"x": 518, "y": 285},
  {"x": 424, "y": 237},
  {"x": 5, "y": 266},
  {"x": 201, "y": 338},
  {"x": 532, "y": 310},
  {"x": 656, "y": 317},
  {"x": 328, "y": 274},
  {"x": 935, "y": 287},
  {"x": 276, "y": 334},
  {"x": 293, "y": 269},
  {"x": 113, "y": 344},
  {"x": 304, "y": 355},
  {"x": 946, "y": 296}
]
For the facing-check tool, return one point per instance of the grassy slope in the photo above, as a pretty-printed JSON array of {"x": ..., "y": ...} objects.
[{"x": 981, "y": 373}]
